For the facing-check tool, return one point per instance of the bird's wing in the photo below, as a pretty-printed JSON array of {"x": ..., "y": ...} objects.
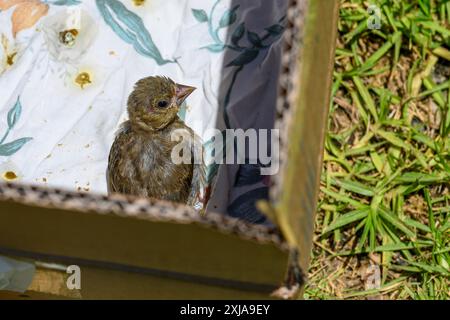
[
  {"x": 114, "y": 160},
  {"x": 197, "y": 197}
]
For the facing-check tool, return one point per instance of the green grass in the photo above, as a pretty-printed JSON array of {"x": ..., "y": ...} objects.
[{"x": 385, "y": 188}]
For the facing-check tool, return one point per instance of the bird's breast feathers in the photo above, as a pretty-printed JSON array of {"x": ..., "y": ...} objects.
[{"x": 142, "y": 161}]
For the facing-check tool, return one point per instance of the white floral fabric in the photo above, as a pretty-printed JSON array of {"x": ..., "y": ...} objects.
[{"x": 68, "y": 66}]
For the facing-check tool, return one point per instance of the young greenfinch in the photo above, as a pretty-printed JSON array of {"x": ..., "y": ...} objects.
[{"x": 140, "y": 160}]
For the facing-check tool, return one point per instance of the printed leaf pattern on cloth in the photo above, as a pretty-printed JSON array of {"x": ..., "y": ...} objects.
[
  {"x": 200, "y": 15},
  {"x": 26, "y": 13},
  {"x": 64, "y": 2},
  {"x": 14, "y": 114},
  {"x": 130, "y": 28},
  {"x": 245, "y": 53},
  {"x": 238, "y": 33},
  {"x": 9, "y": 148},
  {"x": 248, "y": 174},
  {"x": 228, "y": 17},
  {"x": 244, "y": 207}
]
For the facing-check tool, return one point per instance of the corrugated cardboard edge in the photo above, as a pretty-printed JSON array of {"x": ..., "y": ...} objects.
[{"x": 139, "y": 208}]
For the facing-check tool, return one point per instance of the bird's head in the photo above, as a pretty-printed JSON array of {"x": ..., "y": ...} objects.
[{"x": 155, "y": 101}]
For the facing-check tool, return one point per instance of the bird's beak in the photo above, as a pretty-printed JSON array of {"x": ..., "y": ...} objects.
[{"x": 182, "y": 92}]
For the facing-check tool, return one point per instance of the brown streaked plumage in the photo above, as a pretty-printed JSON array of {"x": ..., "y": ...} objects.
[{"x": 140, "y": 158}]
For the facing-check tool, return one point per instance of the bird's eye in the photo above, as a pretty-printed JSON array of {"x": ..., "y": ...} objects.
[{"x": 163, "y": 104}]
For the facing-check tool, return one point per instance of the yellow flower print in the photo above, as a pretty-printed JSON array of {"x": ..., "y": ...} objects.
[{"x": 9, "y": 172}]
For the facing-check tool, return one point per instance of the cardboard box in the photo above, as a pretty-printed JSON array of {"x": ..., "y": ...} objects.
[{"x": 139, "y": 249}]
